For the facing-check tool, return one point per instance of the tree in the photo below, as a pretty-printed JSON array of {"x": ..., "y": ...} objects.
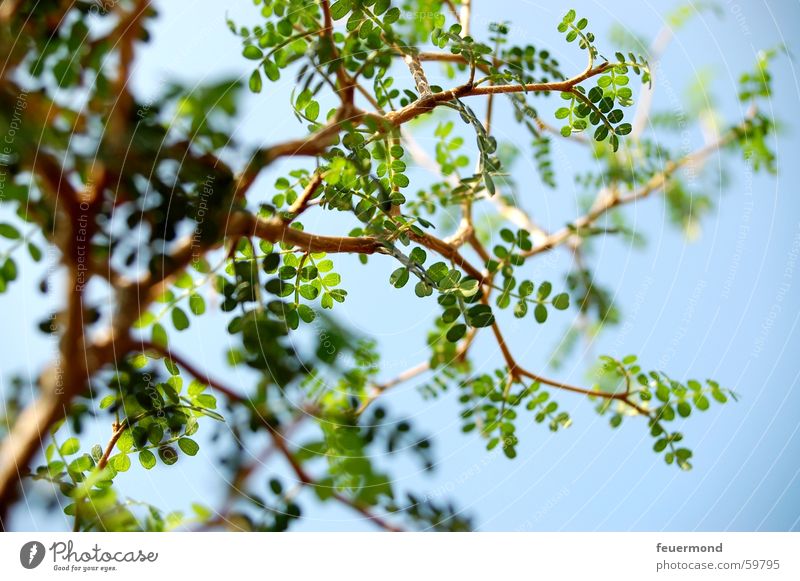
[{"x": 151, "y": 211}]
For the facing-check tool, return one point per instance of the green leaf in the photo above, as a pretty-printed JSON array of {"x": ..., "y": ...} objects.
[
  {"x": 382, "y": 6},
  {"x": 544, "y": 290},
  {"x": 399, "y": 277},
  {"x": 423, "y": 289},
  {"x": 540, "y": 313},
  {"x": 400, "y": 180},
  {"x": 338, "y": 295},
  {"x": 561, "y": 301},
  {"x": 120, "y": 462},
  {"x": 255, "y": 81},
  {"x": 623, "y": 129},
  {"x": 179, "y": 319},
  {"x": 437, "y": 271},
  {"x": 507, "y": 236},
  {"x": 450, "y": 315},
  {"x": 107, "y": 401},
  {"x": 392, "y": 16},
  {"x": 147, "y": 459},
  {"x": 145, "y": 320},
  {"x": 168, "y": 455},
  {"x": 276, "y": 486},
  {"x": 252, "y": 52},
  {"x": 196, "y": 388},
  {"x": 155, "y": 433},
  {"x": 35, "y": 252},
  {"x": 303, "y": 99},
  {"x": 480, "y": 316},
  {"x": 70, "y": 446},
  {"x": 489, "y": 182},
  {"x": 81, "y": 464},
  {"x": 718, "y": 395},
  {"x": 469, "y": 287},
  {"x": 596, "y": 93},
  {"x": 188, "y": 446},
  {"x": 340, "y": 8},
  {"x": 701, "y": 402},
  {"x": 312, "y": 111},
  {"x": 9, "y": 270},
  {"x": 159, "y": 335},
  {"x": 332, "y": 279},
  {"x": 456, "y": 332},
  {"x": 271, "y": 70},
  {"x": 139, "y": 361},
  {"x": 662, "y": 392},
  {"x": 8, "y": 231},
  {"x": 309, "y": 292},
  {"x": 184, "y": 281},
  {"x": 207, "y": 400},
  {"x": 125, "y": 441},
  {"x": 682, "y": 456},
  {"x": 197, "y": 304},
  {"x": 419, "y": 256}
]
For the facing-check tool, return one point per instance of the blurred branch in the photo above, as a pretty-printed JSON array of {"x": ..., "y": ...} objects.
[{"x": 611, "y": 201}]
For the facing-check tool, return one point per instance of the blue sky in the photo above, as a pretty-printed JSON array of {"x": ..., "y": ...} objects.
[{"x": 724, "y": 306}]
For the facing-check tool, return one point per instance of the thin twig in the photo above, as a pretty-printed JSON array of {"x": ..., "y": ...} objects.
[
  {"x": 610, "y": 202},
  {"x": 345, "y": 85},
  {"x": 116, "y": 432},
  {"x": 301, "y": 203}
]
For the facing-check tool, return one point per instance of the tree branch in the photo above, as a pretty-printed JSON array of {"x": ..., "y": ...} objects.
[
  {"x": 278, "y": 231},
  {"x": 345, "y": 84},
  {"x": 116, "y": 433},
  {"x": 426, "y": 104},
  {"x": 301, "y": 203},
  {"x": 418, "y": 73},
  {"x": 610, "y": 202}
]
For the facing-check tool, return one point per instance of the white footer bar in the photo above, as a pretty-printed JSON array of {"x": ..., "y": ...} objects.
[{"x": 406, "y": 557}]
